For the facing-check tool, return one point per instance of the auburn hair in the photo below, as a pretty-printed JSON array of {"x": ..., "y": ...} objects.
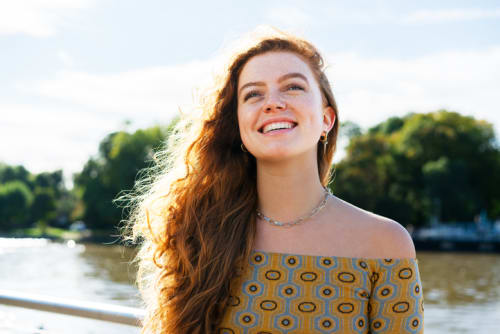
[{"x": 194, "y": 213}]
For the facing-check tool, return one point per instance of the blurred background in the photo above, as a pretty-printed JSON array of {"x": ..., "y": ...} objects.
[{"x": 89, "y": 90}]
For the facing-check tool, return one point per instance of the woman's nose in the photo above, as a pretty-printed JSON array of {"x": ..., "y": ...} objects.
[{"x": 274, "y": 103}]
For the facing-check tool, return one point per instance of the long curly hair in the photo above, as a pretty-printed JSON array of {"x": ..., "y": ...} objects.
[{"x": 194, "y": 213}]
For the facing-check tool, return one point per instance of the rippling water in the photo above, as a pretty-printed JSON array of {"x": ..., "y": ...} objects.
[
  {"x": 80, "y": 272},
  {"x": 461, "y": 291}
]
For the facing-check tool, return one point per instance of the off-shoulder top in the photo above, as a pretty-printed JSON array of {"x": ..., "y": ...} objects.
[{"x": 290, "y": 293}]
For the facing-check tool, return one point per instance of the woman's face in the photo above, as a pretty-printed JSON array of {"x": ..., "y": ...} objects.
[{"x": 281, "y": 113}]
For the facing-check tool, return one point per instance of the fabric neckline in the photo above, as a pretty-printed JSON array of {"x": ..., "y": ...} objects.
[{"x": 374, "y": 259}]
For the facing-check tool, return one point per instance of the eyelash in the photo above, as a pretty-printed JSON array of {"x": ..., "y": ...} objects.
[
  {"x": 256, "y": 93},
  {"x": 250, "y": 95},
  {"x": 295, "y": 86}
]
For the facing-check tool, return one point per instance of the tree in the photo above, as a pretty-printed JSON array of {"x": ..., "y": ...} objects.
[
  {"x": 43, "y": 208},
  {"x": 413, "y": 167},
  {"x": 46, "y": 195},
  {"x": 15, "y": 200},
  {"x": 13, "y": 173},
  {"x": 121, "y": 156},
  {"x": 53, "y": 180}
]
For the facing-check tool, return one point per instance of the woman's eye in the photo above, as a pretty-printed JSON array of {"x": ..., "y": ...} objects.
[
  {"x": 294, "y": 87},
  {"x": 250, "y": 95}
]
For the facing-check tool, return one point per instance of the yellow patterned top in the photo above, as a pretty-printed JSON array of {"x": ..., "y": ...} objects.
[{"x": 290, "y": 293}]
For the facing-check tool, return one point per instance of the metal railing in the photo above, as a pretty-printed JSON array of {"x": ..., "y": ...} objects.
[{"x": 98, "y": 311}]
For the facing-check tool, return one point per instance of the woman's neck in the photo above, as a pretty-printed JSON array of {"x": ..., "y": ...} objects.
[{"x": 288, "y": 190}]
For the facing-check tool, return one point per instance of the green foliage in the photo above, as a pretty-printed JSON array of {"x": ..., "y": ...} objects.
[
  {"x": 391, "y": 125},
  {"x": 15, "y": 200},
  {"x": 43, "y": 208},
  {"x": 349, "y": 129},
  {"x": 440, "y": 163},
  {"x": 13, "y": 173},
  {"x": 49, "y": 180},
  {"x": 121, "y": 156},
  {"x": 39, "y": 198}
]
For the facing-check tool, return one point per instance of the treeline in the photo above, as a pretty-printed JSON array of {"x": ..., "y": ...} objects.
[
  {"x": 40, "y": 200},
  {"x": 27, "y": 199},
  {"x": 440, "y": 164},
  {"x": 409, "y": 168},
  {"x": 121, "y": 156}
]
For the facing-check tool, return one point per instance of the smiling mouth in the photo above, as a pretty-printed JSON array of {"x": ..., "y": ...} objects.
[{"x": 274, "y": 127}]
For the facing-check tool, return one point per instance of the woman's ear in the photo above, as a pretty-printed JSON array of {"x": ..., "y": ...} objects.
[{"x": 329, "y": 118}]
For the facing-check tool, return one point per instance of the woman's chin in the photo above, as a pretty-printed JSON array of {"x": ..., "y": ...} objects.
[{"x": 275, "y": 155}]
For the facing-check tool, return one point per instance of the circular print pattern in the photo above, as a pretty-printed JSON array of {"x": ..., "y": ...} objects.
[
  {"x": 360, "y": 323},
  {"x": 378, "y": 323},
  {"x": 257, "y": 259},
  {"x": 253, "y": 288},
  {"x": 401, "y": 307},
  {"x": 289, "y": 291},
  {"x": 247, "y": 319},
  {"x": 280, "y": 282},
  {"x": 268, "y": 305},
  {"x": 405, "y": 273},
  {"x": 273, "y": 275},
  {"x": 346, "y": 277},
  {"x": 285, "y": 322},
  {"x": 385, "y": 291},
  {"x": 326, "y": 262},
  {"x": 292, "y": 261},
  {"x": 308, "y": 276},
  {"x": 345, "y": 308},
  {"x": 327, "y": 292},
  {"x": 307, "y": 307},
  {"x": 326, "y": 324}
]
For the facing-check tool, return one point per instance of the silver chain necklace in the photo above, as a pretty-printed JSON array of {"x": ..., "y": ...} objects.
[{"x": 301, "y": 219}]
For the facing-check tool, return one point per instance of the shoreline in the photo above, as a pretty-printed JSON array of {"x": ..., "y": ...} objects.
[{"x": 101, "y": 237}]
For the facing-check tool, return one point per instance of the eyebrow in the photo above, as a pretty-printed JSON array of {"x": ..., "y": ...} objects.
[{"x": 282, "y": 78}]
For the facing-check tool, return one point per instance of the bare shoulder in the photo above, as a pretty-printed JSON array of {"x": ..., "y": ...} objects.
[
  {"x": 382, "y": 237},
  {"x": 391, "y": 239}
]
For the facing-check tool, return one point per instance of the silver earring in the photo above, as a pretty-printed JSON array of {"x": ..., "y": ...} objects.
[{"x": 243, "y": 148}]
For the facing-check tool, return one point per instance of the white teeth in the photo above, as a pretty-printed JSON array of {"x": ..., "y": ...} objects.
[{"x": 277, "y": 125}]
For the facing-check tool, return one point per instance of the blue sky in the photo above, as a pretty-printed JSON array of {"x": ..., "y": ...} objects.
[{"x": 72, "y": 71}]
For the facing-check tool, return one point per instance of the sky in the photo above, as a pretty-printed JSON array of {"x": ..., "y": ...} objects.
[{"x": 73, "y": 71}]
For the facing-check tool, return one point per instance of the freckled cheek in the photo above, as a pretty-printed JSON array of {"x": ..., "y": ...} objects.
[{"x": 245, "y": 122}]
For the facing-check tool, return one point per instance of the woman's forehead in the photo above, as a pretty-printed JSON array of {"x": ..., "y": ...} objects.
[{"x": 273, "y": 65}]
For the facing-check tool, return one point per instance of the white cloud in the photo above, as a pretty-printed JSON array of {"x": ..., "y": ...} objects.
[
  {"x": 449, "y": 15},
  {"x": 338, "y": 14},
  {"x": 38, "y": 18},
  {"x": 151, "y": 92},
  {"x": 65, "y": 58},
  {"x": 49, "y": 138},
  {"x": 370, "y": 90},
  {"x": 291, "y": 18},
  {"x": 65, "y": 130}
]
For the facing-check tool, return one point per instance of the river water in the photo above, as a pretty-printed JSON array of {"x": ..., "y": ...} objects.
[{"x": 461, "y": 291}]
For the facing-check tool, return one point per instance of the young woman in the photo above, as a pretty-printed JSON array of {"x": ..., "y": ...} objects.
[{"x": 239, "y": 231}]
